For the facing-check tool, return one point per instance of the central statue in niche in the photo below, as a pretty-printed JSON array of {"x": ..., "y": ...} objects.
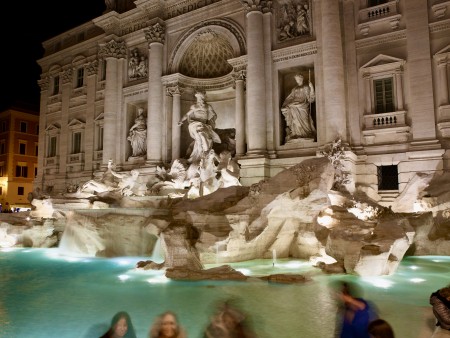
[
  {"x": 296, "y": 109},
  {"x": 138, "y": 136},
  {"x": 201, "y": 119}
]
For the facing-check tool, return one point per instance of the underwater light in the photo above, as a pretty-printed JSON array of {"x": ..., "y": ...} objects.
[
  {"x": 158, "y": 280},
  {"x": 123, "y": 278},
  {"x": 413, "y": 267},
  {"x": 244, "y": 271},
  {"x": 379, "y": 282},
  {"x": 417, "y": 280}
]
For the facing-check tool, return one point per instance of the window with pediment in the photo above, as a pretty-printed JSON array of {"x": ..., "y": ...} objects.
[
  {"x": 76, "y": 128},
  {"x": 383, "y": 77},
  {"x": 52, "y": 140}
]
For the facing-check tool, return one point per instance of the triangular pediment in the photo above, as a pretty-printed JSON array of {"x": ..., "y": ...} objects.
[
  {"x": 100, "y": 117},
  {"x": 76, "y": 123},
  {"x": 444, "y": 50},
  {"x": 381, "y": 60},
  {"x": 53, "y": 127}
]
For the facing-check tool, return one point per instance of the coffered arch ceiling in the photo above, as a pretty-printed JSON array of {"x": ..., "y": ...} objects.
[{"x": 204, "y": 50}]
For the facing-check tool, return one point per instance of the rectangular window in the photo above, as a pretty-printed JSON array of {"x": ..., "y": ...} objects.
[
  {"x": 76, "y": 143},
  {"x": 22, "y": 148},
  {"x": 36, "y": 150},
  {"x": 52, "y": 147},
  {"x": 56, "y": 85},
  {"x": 2, "y": 170},
  {"x": 384, "y": 99},
  {"x": 20, "y": 191},
  {"x": 1, "y": 190},
  {"x": 3, "y": 126},
  {"x": 37, "y": 129},
  {"x": 35, "y": 171},
  {"x": 2, "y": 147},
  {"x": 21, "y": 170},
  {"x": 387, "y": 177},
  {"x": 23, "y": 127},
  {"x": 80, "y": 77},
  {"x": 376, "y": 2}
]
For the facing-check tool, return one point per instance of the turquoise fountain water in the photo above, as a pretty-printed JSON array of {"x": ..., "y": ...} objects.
[{"x": 44, "y": 294}]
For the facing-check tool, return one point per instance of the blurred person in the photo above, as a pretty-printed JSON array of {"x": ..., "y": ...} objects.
[
  {"x": 380, "y": 328},
  {"x": 440, "y": 300},
  {"x": 229, "y": 322},
  {"x": 166, "y": 326},
  {"x": 121, "y": 327},
  {"x": 356, "y": 313}
]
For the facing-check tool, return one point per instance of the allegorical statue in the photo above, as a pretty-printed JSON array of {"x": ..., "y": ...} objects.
[
  {"x": 297, "y": 111},
  {"x": 138, "y": 135},
  {"x": 201, "y": 118}
]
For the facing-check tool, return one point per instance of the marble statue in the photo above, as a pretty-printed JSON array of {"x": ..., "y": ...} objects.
[
  {"x": 297, "y": 112},
  {"x": 128, "y": 184},
  {"x": 229, "y": 170},
  {"x": 201, "y": 118},
  {"x": 137, "y": 65},
  {"x": 138, "y": 135},
  {"x": 294, "y": 19}
]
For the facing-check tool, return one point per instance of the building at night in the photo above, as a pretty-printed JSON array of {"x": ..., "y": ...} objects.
[
  {"x": 285, "y": 78},
  {"x": 19, "y": 129}
]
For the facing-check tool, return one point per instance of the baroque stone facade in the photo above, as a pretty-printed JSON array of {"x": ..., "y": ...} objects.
[{"x": 380, "y": 72}]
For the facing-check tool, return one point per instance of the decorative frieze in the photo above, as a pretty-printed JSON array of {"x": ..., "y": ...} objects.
[
  {"x": 155, "y": 33},
  {"x": 186, "y": 6},
  {"x": 294, "y": 52},
  {"x": 114, "y": 49},
  {"x": 381, "y": 39}
]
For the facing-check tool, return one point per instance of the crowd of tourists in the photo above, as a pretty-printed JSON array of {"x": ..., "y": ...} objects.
[{"x": 357, "y": 318}]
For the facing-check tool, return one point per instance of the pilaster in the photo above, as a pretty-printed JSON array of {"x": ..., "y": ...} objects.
[
  {"x": 112, "y": 52},
  {"x": 155, "y": 36}
]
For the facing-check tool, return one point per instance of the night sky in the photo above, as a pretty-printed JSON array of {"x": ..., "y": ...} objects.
[{"x": 24, "y": 26}]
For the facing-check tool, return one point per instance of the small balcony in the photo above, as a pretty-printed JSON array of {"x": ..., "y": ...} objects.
[
  {"x": 385, "y": 14},
  {"x": 51, "y": 161},
  {"x": 386, "y": 128},
  {"x": 75, "y": 158}
]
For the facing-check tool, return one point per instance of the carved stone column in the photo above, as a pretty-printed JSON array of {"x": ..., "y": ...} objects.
[
  {"x": 89, "y": 136},
  {"x": 368, "y": 93},
  {"x": 239, "y": 78},
  {"x": 399, "y": 89},
  {"x": 44, "y": 85},
  {"x": 256, "y": 88},
  {"x": 443, "y": 81},
  {"x": 67, "y": 80},
  {"x": 155, "y": 119},
  {"x": 176, "y": 116},
  {"x": 112, "y": 52},
  {"x": 333, "y": 73}
]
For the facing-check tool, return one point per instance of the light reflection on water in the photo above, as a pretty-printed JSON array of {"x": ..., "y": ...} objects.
[{"x": 44, "y": 294}]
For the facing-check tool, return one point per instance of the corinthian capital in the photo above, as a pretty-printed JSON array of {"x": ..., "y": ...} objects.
[
  {"x": 155, "y": 33},
  {"x": 92, "y": 67},
  {"x": 113, "y": 48},
  {"x": 44, "y": 83},
  {"x": 257, "y": 5},
  {"x": 66, "y": 76}
]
